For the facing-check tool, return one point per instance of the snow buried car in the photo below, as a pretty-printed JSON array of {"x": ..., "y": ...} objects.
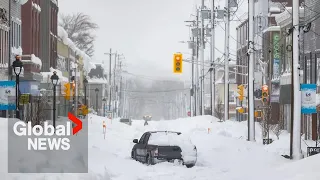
[{"x": 164, "y": 146}]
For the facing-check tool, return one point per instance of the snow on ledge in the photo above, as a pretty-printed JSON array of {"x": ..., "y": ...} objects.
[
  {"x": 47, "y": 76},
  {"x": 36, "y": 60},
  {"x": 97, "y": 80},
  {"x": 16, "y": 51}
]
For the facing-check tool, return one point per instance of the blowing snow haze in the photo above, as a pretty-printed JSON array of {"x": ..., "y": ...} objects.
[{"x": 159, "y": 89}]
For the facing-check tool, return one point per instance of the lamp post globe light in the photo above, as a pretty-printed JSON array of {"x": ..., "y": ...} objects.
[
  {"x": 17, "y": 66},
  {"x": 97, "y": 91},
  {"x": 54, "y": 79},
  {"x": 85, "y": 83}
]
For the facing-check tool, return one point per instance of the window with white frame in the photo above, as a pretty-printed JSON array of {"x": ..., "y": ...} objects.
[{"x": 232, "y": 96}]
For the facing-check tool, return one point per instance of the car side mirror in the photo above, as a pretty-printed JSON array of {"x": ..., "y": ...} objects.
[{"x": 135, "y": 141}]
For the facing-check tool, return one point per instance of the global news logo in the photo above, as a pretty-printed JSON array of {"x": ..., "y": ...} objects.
[{"x": 51, "y": 138}]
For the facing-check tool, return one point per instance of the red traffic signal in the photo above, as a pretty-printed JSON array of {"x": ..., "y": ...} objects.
[{"x": 265, "y": 93}]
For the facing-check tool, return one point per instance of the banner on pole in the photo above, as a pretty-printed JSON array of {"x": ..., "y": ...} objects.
[
  {"x": 308, "y": 98},
  {"x": 7, "y": 95}
]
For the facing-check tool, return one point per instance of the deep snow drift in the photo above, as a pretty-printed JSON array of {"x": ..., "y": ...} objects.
[{"x": 223, "y": 153}]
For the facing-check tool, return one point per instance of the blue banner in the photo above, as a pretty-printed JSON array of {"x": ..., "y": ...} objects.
[
  {"x": 308, "y": 98},
  {"x": 7, "y": 95}
]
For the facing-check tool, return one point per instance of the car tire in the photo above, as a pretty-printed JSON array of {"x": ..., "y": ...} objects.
[{"x": 189, "y": 165}]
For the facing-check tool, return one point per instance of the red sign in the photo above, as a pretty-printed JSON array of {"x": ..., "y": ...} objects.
[
  {"x": 77, "y": 121},
  {"x": 189, "y": 113}
]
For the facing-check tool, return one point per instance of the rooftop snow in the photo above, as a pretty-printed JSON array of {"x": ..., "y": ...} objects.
[
  {"x": 67, "y": 41},
  {"x": 97, "y": 80}
]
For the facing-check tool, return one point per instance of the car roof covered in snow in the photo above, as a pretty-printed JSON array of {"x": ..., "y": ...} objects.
[{"x": 165, "y": 132}]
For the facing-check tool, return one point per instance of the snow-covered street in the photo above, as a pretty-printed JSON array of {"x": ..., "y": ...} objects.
[{"x": 223, "y": 153}]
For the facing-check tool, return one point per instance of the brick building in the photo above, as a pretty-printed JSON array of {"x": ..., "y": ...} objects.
[
  {"x": 31, "y": 47},
  {"x": 48, "y": 34}
]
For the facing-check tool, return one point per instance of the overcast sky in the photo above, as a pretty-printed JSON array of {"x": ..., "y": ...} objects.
[{"x": 147, "y": 32}]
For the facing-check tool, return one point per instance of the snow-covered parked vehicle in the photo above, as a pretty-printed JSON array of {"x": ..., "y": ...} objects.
[{"x": 160, "y": 146}]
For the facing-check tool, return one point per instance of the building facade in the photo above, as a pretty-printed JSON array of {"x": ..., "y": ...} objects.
[
  {"x": 4, "y": 36},
  {"x": 31, "y": 27},
  {"x": 31, "y": 47},
  {"x": 48, "y": 33},
  {"x": 284, "y": 21}
]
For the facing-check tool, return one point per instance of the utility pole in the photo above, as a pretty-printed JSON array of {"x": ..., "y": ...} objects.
[
  {"x": 251, "y": 127},
  {"x": 120, "y": 89},
  {"x": 192, "y": 102},
  {"x": 197, "y": 109},
  {"x": 296, "y": 140},
  {"x": 115, "y": 86},
  {"x": 124, "y": 114},
  {"x": 202, "y": 58},
  {"x": 226, "y": 61},
  {"x": 212, "y": 54},
  {"x": 110, "y": 80}
]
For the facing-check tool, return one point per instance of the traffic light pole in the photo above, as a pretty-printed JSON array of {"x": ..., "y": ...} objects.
[
  {"x": 251, "y": 123},
  {"x": 226, "y": 62}
]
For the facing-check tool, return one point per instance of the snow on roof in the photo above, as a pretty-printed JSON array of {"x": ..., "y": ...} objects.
[
  {"x": 287, "y": 14},
  {"x": 47, "y": 76},
  {"x": 97, "y": 80},
  {"x": 67, "y": 41}
]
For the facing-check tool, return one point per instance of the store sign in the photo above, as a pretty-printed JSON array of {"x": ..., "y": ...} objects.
[
  {"x": 308, "y": 98},
  {"x": 276, "y": 55}
]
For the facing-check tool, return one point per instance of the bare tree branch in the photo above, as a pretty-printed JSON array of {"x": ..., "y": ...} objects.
[{"x": 80, "y": 29}]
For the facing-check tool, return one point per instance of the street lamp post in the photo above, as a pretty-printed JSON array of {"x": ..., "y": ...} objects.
[
  {"x": 97, "y": 91},
  {"x": 104, "y": 106},
  {"x": 17, "y": 66},
  {"x": 85, "y": 82},
  {"x": 54, "y": 80}
]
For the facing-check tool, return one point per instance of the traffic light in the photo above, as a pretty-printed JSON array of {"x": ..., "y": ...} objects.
[
  {"x": 240, "y": 92},
  {"x": 177, "y": 63},
  {"x": 83, "y": 110},
  {"x": 265, "y": 93},
  {"x": 242, "y": 110},
  {"x": 67, "y": 91},
  {"x": 258, "y": 114}
]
